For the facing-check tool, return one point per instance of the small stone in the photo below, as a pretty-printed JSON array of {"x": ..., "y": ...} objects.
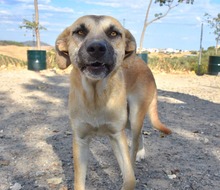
[
  {"x": 146, "y": 133},
  {"x": 206, "y": 140},
  {"x": 4, "y": 162},
  {"x": 68, "y": 133},
  {"x": 40, "y": 173},
  {"x": 16, "y": 186},
  {"x": 54, "y": 181},
  {"x": 172, "y": 176},
  {"x": 63, "y": 188}
]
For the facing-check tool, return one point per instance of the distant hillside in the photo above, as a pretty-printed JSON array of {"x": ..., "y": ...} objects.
[
  {"x": 26, "y": 43},
  {"x": 33, "y": 43},
  {"x": 7, "y": 42}
]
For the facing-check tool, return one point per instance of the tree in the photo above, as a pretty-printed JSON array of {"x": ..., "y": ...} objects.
[
  {"x": 170, "y": 4},
  {"x": 34, "y": 25},
  {"x": 214, "y": 23}
]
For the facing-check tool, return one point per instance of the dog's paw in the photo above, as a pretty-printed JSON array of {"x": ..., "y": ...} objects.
[{"x": 140, "y": 155}]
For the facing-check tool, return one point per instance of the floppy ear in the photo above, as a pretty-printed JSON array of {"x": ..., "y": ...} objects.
[
  {"x": 130, "y": 44},
  {"x": 61, "y": 46}
]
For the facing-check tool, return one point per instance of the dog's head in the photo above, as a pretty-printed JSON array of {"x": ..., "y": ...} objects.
[{"x": 95, "y": 44}]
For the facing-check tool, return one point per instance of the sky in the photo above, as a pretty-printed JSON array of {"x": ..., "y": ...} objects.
[{"x": 180, "y": 29}]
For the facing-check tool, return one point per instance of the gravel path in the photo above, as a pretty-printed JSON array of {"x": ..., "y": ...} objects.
[{"x": 36, "y": 145}]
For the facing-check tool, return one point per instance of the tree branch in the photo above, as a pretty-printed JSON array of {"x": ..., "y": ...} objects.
[{"x": 146, "y": 23}]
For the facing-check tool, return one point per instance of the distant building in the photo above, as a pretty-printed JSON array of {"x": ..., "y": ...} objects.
[
  {"x": 153, "y": 50},
  {"x": 167, "y": 50}
]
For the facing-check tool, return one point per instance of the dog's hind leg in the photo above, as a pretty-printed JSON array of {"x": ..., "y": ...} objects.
[
  {"x": 136, "y": 118},
  {"x": 141, "y": 150}
]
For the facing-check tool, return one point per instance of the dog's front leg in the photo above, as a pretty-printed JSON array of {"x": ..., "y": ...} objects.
[
  {"x": 120, "y": 148},
  {"x": 80, "y": 155}
]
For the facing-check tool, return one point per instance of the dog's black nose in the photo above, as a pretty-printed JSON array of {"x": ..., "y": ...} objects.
[{"x": 96, "y": 49}]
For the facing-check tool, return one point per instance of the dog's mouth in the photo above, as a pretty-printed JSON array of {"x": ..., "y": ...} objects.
[
  {"x": 97, "y": 69},
  {"x": 96, "y": 65}
]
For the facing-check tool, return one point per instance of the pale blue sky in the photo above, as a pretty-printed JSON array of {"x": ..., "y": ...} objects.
[{"x": 180, "y": 29}]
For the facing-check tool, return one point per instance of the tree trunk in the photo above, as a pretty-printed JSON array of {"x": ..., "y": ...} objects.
[
  {"x": 216, "y": 47},
  {"x": 145, "y": 26},
  {"x": 37, "y": 24},
  {"x": 147, "y": 23}
]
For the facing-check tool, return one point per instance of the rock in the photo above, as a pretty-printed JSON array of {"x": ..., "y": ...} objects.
[
  {"x": 54, "y": 181},
  {"x": 146, "y": 133},
  {"x": 4, "y": 162},
  {"x": 172, "y": 176},
  {"x": 40, "y": 173},
  {"x": 63, "y": 188},
  {"x": 206, "y": 140},
  {"x": 16, "y": 186},
  {"x": 68, "y": 133}
]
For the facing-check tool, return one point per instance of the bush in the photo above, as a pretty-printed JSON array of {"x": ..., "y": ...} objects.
[
  {"x": 51, "y": 63},
  {"x": 183, "y": 64},
  {"x": 170, "y": 64}
]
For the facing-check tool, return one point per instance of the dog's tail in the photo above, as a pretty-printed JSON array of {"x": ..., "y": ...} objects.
[{"x": 153, "y": 115}]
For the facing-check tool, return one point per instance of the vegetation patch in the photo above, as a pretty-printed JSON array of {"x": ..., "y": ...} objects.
[
  {"x": 185, "y": 63},
  {"x": 7, "y": 61}
]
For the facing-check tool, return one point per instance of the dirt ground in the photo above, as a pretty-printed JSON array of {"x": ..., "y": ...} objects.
[{"x": 36, "y": 145}]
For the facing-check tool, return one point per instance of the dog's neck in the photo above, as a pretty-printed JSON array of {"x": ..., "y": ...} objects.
[
  {"x": 91, "y": 91},
  {"x": 95, "y": 87}
]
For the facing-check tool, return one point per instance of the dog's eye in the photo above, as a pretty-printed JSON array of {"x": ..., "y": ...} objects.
[
  {"x": 81, "y": 33},
  {"x": 113, "y": 34}
]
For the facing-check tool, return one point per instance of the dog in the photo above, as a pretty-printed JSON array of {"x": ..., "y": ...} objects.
[{"x": 111, "y": 89}]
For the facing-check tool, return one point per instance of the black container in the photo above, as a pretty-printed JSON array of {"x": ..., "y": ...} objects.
[
  {"x": 214, "y": 65},
  {"x": 36, "y": 60},
  {"x": 143, "y": 56}
]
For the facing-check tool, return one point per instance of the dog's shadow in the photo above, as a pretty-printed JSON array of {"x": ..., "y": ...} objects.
[
  {"x": 103, "y": 170},
  {"x": 62, "y": 146}
]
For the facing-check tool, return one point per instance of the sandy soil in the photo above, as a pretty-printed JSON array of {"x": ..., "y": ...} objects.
[{"x": 36, "y": 145}]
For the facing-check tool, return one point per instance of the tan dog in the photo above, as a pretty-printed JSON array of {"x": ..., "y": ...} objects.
[{"x": 111, "y": 88}]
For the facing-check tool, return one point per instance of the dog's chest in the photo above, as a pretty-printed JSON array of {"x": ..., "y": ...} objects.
[{"x": 99, "y": 113}]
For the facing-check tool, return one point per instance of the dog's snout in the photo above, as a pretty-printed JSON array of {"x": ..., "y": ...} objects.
[{"x": 96, "y": 49}]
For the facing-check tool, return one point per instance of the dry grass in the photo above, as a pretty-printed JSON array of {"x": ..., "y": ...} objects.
[{"x": 18, "y": 52}]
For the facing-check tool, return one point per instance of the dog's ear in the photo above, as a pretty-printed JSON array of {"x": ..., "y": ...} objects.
[
  {"x": 61, "y": 46},
  {"x": 130, "y": 44}
]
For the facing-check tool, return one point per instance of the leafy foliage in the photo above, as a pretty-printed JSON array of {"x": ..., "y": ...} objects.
[
  {"x": 167, "y": 2},
  {"x": 31, "y": 25},
  {"x": 187, "y": 63},
  {"x": 51, "y": 59},
  {"x": 214, "y": 23}
]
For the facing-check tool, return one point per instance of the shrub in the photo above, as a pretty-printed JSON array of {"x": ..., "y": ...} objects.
[
  {"x": 183, "y": 64},
  {"x": 51, "y": 63}
]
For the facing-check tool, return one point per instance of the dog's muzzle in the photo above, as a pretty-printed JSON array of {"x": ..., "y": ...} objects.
[{"x": 96, "y": 59}]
